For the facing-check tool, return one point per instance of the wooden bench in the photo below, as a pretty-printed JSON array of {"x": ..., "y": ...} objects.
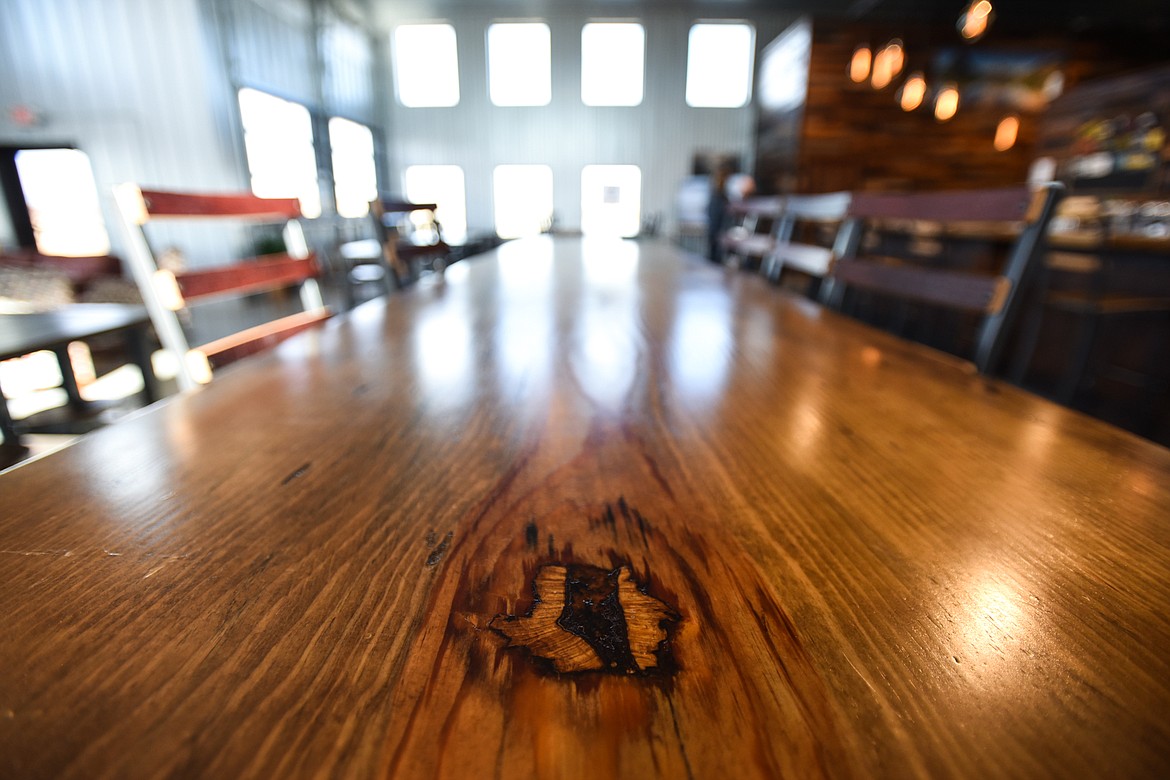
[
  {"x": 800, "y": 239},
  {"x": 920, "y": 224},
  {"x": 168, "y": 292},
  {"x": 752, "y": 235}
]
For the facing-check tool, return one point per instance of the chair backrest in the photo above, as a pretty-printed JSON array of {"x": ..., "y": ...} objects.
[
  {"x": 757, "y": 208},
  {"x": 752, "y": 229},
  {"x": 896, "y": 244},
  {"x": 399, "y": 248},
  {"x": 805, "y": 219},
  {"x": 167, "y": 292}
]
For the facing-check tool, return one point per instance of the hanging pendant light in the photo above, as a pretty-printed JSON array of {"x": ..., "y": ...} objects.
[
  {"x": 887, "y": 64},
  {"x": 975, "y": 20},
  {"x": 946, "y": 103},
  {"x": 913, "y": 92},
  {"x": 859, "y": 65},
  {"x": 897, "y": 55},
  {"x": 1006, "y": 133}
]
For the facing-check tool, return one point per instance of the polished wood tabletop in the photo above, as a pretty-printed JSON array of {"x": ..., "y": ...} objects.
[{"x": 590, "y": 509}]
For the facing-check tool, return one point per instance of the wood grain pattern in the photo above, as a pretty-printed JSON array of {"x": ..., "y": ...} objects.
[
  {"x": 258, "y": 338},
  {"x": 953, "y": 289},
  {"x": 854, "y": 137},
  {"x": 160, "y": 203},
  {"x": 249, "y": 276},
  {"x": 586, "y": 618},
  {"x": 883, "y": 564},
  {"x": 850, "y": 136},
  {"x": 990, "y": 205}
]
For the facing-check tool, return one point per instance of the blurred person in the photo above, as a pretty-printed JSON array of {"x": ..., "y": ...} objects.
[{"x": 717, "y": 213}]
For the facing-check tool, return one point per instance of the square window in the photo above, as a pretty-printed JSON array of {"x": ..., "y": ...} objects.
[
  {"x": 62, "y": 201},
  {"x": 426, "y": 66},
  {"x": 519, "y": 64},
  {"x": 612, "y": 64},
  {"x": 523, "y": 199},
  {"x": 442, "y": 185},
  {"x": 720, "y": 58},
  {"x": 611, "y": 200},
  {"x": 355, "y": 178},
  {"x": 278, "y": 138}
]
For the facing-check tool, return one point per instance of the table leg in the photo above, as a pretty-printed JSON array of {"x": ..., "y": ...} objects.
[
  {"x": 138, "y": 347},
  {"x": 68, "y": 378},
  {"x": 7, "y": 427}
]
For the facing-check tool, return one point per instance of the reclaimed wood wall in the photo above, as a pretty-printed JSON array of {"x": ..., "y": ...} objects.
[{"x": 854, "y": 137}]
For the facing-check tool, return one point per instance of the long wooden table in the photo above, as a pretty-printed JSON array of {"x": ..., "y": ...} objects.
[{"x": 590, "y": 510}]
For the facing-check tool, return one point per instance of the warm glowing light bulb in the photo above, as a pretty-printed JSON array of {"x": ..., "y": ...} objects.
[
  {"x": 883, "y": 74},
  {"x": 974, "y": 26},
  {"x": 975, "y": 20},
  {"x": 1006, "y": 133},
  {"x": 897, "y": 56},
  {"x": 887, "y": 64},
  {"x": 946, "y": 105},
  {"x": 913, "y": 92},
  {"x": 859, "y": 65}
]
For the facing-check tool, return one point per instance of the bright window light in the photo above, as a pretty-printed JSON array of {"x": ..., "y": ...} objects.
[
  {"x": 355, "y": 178},
  {"x": 719, "y": 65},
  {"x": 784, "y": 67},
  {"x": 426, "y": 66},
  {"x": 523, "y": 197},
  {"x": 519, "y": 64},
  {"x": 442, "y": 185},
  {"x": 611, "y": 198},
  {"x": 62, "y": 202},
  {"x": 612, "y": 64},
  {"x": 278, "y": 137}
]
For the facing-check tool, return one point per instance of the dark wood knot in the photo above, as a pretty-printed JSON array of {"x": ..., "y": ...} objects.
[{"x": 586, "y": 618}]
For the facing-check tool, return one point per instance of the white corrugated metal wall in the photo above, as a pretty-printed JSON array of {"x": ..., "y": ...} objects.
[
  {"x": 319, "y": 54},
  {"x": 147, "y": 88},
  {"x": 661, "y": 135},
  {"x": 123, "y": 80}
]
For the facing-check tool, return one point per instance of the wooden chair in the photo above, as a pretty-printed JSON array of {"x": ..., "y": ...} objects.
[
  {"x": 921, "y": 225},
  {"x": 409, "y": 243},
  {"x": 798, "y": 247},
  {"x": 168, "y": 293}
]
